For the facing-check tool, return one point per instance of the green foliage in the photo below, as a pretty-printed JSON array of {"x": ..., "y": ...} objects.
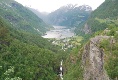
[
  {"x": 32, "y": 57},
  {"x": 112, "y": 32},
  {"x": 105, "y": 45},
  {"x": 26, "y": 55},
  {"x": 21, "y": 18},
  {"x": 107, "y": 10},
  {"x": 73, "y": 65},
  {"x": 105, "y": 15},
  {"x": 112, "y": 68},
  {"x": 111, "y": 59},
  {"x": 116, "y": 37}
]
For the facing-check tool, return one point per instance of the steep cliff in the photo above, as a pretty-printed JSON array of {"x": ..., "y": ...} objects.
[
  {"x": 93, "y": 60},
  {"x": 87, "y": 29}
]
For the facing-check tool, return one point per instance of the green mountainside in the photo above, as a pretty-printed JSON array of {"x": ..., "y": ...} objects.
[
  {"x": 27, "y": 56},
  {"x": 103, "y": 22},
  {"x": 70, "y": 15},
  {"x": 24, "y": 54},
  {"x": 21, "y": 18},
  {"x": 103, "y": 16},
  {"x": 107, "y": 10}
]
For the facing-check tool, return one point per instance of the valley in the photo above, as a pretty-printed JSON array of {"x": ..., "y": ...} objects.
[
  {"x": 64, "y": 37},
  {"x": 60, "y": 32},
  {"x": 84, "y": 45}
]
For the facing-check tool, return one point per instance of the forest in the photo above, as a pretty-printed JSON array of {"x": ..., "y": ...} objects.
[{"x": 25, "y": 55}]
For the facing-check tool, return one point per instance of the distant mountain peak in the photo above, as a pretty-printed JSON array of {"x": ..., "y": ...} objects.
[
  {"x": 70, "y": 15},
  {"x": 75, "y": 6},
  {"x": 71, "y": 6},
  {"x": 85, "y": 7}
]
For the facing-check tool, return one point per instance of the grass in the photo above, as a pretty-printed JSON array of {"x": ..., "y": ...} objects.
[{"x": 106, "y": 20}]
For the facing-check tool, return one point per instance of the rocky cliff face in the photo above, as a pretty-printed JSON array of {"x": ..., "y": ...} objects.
[
  {"x": 87, "y": 29},
  {"x": 93, "y": 60}
]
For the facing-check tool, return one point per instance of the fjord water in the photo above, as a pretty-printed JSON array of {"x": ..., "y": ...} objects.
[{"x": 59, "y": 32}]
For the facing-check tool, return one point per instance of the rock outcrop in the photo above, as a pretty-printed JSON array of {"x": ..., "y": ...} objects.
[
  {"x": 87, "y": 29},
  {"x": 93, "y": 60}
]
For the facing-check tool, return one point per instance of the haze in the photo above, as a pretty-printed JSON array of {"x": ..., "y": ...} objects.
[{"x": 51, "y": 5}]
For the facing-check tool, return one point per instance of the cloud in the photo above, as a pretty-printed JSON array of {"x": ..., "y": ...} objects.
[{"x": 51, "y": 5}]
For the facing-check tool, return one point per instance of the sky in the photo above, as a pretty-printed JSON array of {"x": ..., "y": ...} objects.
[{"x": 51, "y": 5}]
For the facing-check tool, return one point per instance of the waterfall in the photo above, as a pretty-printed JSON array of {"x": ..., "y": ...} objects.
[{"x": 61, "y": 70}]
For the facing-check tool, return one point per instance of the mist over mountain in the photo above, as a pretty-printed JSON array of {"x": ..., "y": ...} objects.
[
  {"x": 42, "y": 15},
  {"x": 70, "y": 15}
]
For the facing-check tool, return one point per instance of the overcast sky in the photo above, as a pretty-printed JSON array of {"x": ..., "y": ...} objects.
[{"x": 51, "y": 5}]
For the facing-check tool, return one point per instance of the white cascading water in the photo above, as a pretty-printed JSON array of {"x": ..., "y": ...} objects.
[{"x": 61, "y": 75}]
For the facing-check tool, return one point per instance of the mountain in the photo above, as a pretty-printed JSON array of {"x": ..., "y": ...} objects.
[
  {"x": 24, "y": 54},
  {"x": 22, "y": 18},
  {"x": 102, "y": 17},
  {"x": 70, "y": 15},
  {"x": 42, "y": 15},
  {"x": 97, "y": 58},
  {"x": 27, "y": 56}
]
